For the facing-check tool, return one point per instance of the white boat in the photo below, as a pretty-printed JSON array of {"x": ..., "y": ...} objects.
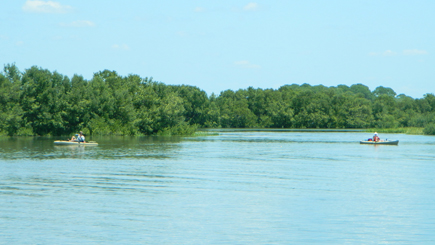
[
  {"x": 386, "y": 142},
  {"x": 65, "y": 142}
]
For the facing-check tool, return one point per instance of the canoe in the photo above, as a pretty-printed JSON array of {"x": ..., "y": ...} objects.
[
  {"x": 387, "y": 142},
  {"x": 65, "y": 142}
]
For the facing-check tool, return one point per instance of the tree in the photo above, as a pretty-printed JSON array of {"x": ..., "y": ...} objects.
[
  {"x": 383, "y": 111},
  {"x": 195, "y": 103},
  {"x": 362, "y": 91},
  {"x": 10, "y": 109},
  {"x": 40, "y": 102},
  {"x": 43, "y": 101},
  {"x": 384, "y": 91},
  {"x": 234, "y": 110}
]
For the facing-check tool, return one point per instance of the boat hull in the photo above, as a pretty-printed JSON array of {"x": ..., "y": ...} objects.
[
  {"x": 393, "y": 142},
  {"x": 64, "y": 142}
]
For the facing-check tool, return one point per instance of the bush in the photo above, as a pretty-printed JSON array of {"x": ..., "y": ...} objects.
[
  {"x": 429, "y": 129},
  {"x": 182, "y": 129},
  {"x": 98, "y": 126},
  {"x": 26, "y": 131}
]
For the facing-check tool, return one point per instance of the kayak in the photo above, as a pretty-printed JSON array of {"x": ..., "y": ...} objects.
[
  {"x": 386, "y": 142},
  {"x": 65, "y": 142}
]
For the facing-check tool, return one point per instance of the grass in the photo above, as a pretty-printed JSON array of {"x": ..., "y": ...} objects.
[
  {"x": 205, "y": 133},
  {"x": 408, "y": 130}
]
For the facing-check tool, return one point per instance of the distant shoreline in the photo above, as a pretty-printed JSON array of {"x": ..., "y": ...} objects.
[
  {"x": 279, "y": 130},
  {"x": 406, "y": 130}
]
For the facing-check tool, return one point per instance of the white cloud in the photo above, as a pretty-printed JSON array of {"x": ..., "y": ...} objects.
[
  {"x": 414, "y": 52},
  {"x": 50, "y": 7},
  {"x": 251, "y": 7},
  {"x": 385, "y": 53},
  {"x": 19, "y": 43},
  {"x": 121, "y": 46},
  {"x": 246, "y": 64},
  {"x": 199, "y": 9},
  {"x": 79, "y": 23},
  {"x": 388, "y": 53}
]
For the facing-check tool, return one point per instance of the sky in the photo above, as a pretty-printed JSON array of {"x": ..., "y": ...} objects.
[{"x": 220, "y": 45}]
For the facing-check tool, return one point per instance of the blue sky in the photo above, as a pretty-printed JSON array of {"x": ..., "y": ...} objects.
[{"x": 220, "y": 45}]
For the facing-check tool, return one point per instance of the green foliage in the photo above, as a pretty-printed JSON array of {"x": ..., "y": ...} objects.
[
  {"x": 205, "y": 133},
  {"x": 180, "y": 129},
  {"x": 41, "y": 102},
  {"x": 234, "y": 110},
  {"x": 407, "y": 130},
  {"x": 429, "y": 129},
  {"x": 384, "y": 91},
  {"x": 25, "y": 131},
  {"x": 99, "y": 126}
]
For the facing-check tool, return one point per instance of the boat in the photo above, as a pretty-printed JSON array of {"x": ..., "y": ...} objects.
[
  {"x": 383, "y": 142},
  {"x": 65, "y": 142}
]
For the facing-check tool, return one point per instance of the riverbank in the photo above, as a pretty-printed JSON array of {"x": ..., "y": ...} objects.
[
  {"x": 215, "y": 131},
  {"x": 408, "y": 130}
]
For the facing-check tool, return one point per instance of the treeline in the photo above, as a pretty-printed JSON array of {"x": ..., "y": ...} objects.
[{"x": 40, "y": 102}]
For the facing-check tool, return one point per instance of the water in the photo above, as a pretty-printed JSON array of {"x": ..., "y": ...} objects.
[{"x": 235, "y": 188}]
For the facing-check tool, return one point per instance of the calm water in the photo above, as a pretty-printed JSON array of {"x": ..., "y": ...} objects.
[{"x": 235, "y": 188}]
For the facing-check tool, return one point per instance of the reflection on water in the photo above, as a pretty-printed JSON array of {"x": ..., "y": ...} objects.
[
  {"x": 235, "y": 188},
  {"x": 109, "y": 147}
]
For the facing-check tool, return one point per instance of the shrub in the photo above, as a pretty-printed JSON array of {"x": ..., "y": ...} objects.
[
  {"x": 182, "y": 129},
  {"x": 429, "y": 129}
]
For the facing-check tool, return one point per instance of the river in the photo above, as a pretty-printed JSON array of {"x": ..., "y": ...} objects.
[{"x": 233, "y": 188}]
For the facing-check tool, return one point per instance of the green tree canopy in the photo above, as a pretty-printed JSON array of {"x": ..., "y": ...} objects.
[{"x": 40, "y": 102}]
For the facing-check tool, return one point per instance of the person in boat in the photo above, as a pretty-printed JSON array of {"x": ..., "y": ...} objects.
[
  {"x": 376, "y": 137},
  {"x": 80, "y": 137}
]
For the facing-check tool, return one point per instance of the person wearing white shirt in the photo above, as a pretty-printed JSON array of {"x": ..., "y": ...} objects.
[{"x": 80, "y": 137}]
